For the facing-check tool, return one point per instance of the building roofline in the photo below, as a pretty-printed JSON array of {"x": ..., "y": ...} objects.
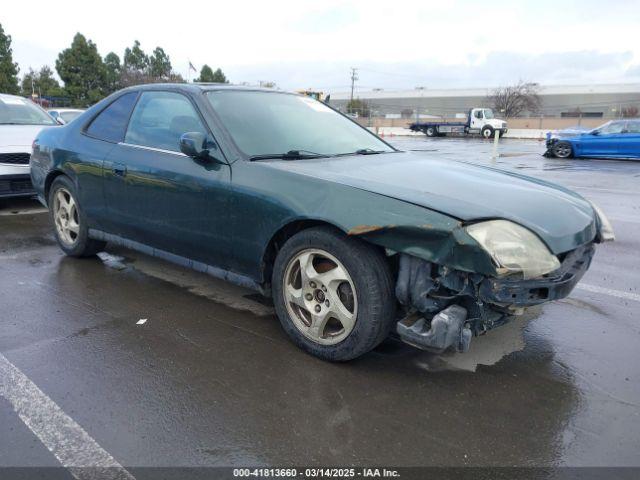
[{"x": 611, "y": 88}]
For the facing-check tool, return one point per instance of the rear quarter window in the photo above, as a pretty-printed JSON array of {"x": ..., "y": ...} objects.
[{"x": 111, "y": 123}]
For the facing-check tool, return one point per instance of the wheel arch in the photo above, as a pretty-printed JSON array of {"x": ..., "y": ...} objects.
[
  {"x": 279, "y": 238},
  {"x": 51, "y": 176}
]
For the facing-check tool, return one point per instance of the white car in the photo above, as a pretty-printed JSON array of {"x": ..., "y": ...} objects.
[
  {"x": 65, "y": 115},
  {"x": 20, "y": 122}
]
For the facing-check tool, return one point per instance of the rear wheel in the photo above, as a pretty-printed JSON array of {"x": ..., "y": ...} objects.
[
  {"x": 70, "y": 224},
  {"x": 562, "y": 150},
  {"x": 333, "y": 294},
  {"x": 431, "y": 132}
]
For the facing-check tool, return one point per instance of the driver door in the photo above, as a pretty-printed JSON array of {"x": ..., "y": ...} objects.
[
  {"x": 477, "y": 118},
  {"x": 606, "y": 143},
  {"x": 167, "y": 200}
]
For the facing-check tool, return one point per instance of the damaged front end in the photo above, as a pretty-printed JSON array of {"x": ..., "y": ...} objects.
[{"x": 444, "y": 308}]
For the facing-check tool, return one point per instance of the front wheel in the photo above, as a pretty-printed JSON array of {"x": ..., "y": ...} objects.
[
  {"x": 70, "y": 225},
  {"x": 487, "y": 132},
  {"x": 333, "y": 294},
  {"x": 562, "y": 150}
]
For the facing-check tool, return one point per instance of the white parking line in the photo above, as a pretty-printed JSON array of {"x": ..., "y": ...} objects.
[
  {"x": 66, "y": 440},
  {"x": 609, "y": 291}
]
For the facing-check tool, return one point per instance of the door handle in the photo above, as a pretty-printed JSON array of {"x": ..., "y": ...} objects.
[{"x": 119, "y": 169}]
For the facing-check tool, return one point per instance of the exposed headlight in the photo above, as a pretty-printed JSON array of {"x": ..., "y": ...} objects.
[
  {"x": 513, "y": 248},
  {"x": 606, "y": 230}
]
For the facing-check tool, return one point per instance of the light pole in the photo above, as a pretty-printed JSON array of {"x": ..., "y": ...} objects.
[{"x": 354, "y": 77}]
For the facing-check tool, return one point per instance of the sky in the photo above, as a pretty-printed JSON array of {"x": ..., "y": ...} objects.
[{"x": 395, "y": 44}]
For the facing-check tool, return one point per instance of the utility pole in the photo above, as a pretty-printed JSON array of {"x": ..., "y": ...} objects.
[{"x": 354, "y": 77}]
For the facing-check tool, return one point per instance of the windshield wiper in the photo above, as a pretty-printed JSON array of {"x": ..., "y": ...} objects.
[
  {"x": 290, "y": 155},
  {"x": 363, "y": 151}
]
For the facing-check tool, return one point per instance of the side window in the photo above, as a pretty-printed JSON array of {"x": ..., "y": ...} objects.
[
  {"x": 478, "y": 114},
  {"x": 111, "y": 123},
  {"x": 612, "y": 128},
  {"x": 633, "y": 127},
  {"x": 160, "y": 119}
]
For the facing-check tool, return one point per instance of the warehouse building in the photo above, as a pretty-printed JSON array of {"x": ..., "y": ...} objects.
[{"x": 562, "y": 101}]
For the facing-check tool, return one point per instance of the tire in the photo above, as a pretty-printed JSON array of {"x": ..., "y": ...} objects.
[
  {"x": 487, "y": 132},
  {"x": 69, "y": 221},
  {"x": 431, "y": 132},
  {"x": 349, "y": 284},
  {"x": 562, "y": 150}
]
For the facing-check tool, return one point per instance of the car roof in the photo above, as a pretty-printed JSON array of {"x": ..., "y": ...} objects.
[{"x": 199, "y": 87}]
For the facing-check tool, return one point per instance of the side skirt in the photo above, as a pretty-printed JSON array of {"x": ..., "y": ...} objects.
[{"x": 231, "y": 277}]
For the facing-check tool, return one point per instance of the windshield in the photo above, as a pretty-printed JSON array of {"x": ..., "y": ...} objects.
[
  {"x": 263, "y": 123},
  {"x": 488, "y": 113},
  {"x": 20, "y": 111},
  {"x": 68, "y": 116},
  {"x": 610, "y": 127}
]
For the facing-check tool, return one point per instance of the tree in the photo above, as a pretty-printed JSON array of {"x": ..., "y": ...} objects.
[
  {"x": 42, "y": 83},
  {"x": 159, "y": 64},
  {"x": 206, "y": 74},
  {"x": 516, "y": 99},
  {"x": 209, "y": 76},
  {"x": 630, "y": 112},
  {"x": 8, "y": 68},
  {"x": 83, "y": 72},
  {"x": 219, "y": 77},
  {"x": 113, "y": 70},
  {"x": 135, "y": 58},
  {"x": 359, "y": 107}
]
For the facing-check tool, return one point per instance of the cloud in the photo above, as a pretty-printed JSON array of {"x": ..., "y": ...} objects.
[
  {"x": 495, "y": 69},
  {"x": 325, "y": 21}
]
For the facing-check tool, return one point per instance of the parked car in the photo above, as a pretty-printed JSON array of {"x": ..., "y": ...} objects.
[
  {"x": 20, "y": 122},
  {"x": 64, "y": 115},
  {"x": 352, "y": 238},
  {"x": 614, "y": 139}
]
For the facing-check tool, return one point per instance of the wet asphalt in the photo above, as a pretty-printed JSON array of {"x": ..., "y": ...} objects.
[{"x": 210, "y": 379}]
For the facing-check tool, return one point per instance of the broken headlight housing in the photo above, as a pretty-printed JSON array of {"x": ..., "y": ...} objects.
[
  {"x": 514, "y": 249},
  {"x": 606, "y": 230}
]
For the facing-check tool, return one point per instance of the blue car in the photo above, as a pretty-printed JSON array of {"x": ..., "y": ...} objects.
[{"x": 615, "y": 139}]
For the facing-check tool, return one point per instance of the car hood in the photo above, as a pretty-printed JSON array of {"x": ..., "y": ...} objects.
[
  {"x": 19, "y": 135},
  {"x": 466, "y": 191}
]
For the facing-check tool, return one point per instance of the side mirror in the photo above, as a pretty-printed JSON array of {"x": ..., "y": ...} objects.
[
  {"x": 595, "y": 132},
  {"x": 197, "y": 146},
  {"x": 60, "y": 121}
]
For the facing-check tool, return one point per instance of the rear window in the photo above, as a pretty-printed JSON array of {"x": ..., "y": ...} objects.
[{"x": 111, "y": 123}]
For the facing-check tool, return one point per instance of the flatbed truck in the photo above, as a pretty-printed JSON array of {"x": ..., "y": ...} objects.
[{"x": 479, "y": 121}]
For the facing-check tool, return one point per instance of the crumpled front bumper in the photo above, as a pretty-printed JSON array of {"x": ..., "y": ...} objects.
[
  {"x": 553, "y": 286},
  {"x": 445, "y": 307}
]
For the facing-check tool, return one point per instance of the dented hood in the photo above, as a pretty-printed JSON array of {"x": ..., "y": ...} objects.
[{"x": 469, "y": 192}]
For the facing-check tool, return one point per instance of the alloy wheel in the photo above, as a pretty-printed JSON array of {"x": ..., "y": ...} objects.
[
  {"x": 562, "y": 150},
  {"x": 65, "y": 216},
  {"x": 320, "y": 296}
]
